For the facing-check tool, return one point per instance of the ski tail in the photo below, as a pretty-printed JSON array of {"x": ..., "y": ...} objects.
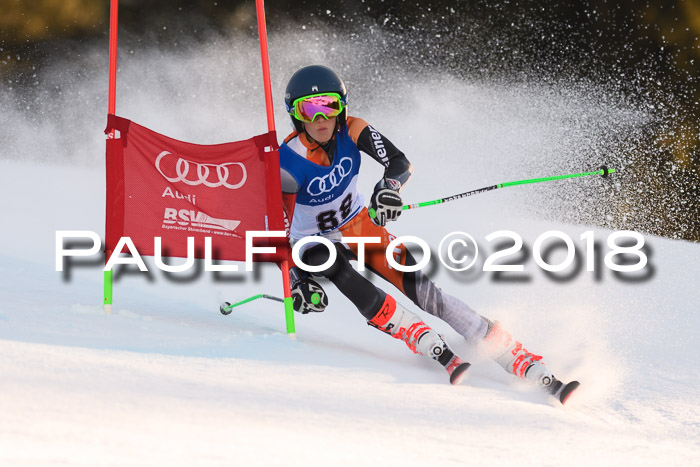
[
  {"x": 455, "y": 366},
  {"x": 561, "y": 390},
  {"x": 567, "y": 391}
]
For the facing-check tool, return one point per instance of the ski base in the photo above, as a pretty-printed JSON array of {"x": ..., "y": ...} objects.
[
  {"x": 459, "y": 373},
  {"x": 567, "y": 391},
  {"x": 456, "y": 368}
]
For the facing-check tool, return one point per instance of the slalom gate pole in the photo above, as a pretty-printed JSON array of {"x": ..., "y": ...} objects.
[
  {"x": 264, "y": 55},
  {"x": 604, "y": 171},
  {"x": 111, "y": 108}
]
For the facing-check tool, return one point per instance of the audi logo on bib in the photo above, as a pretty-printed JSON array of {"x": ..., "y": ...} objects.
[
  {"x": 210, "y": 175},
  {"x": 325, "y": 184}
]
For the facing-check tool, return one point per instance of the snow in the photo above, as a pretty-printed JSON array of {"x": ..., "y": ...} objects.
[{"x": 167, "y": 380}]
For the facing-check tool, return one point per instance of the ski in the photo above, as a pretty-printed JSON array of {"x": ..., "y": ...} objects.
[
  {"x": 567, "y": 390},
  {"x": 457, "y": 369},
  {"x": 562, "y": 391}
]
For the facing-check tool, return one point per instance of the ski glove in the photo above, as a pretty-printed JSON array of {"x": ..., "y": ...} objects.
[
  {"x": 308, "y": 296},
  {"x": 386, "y": 204}
]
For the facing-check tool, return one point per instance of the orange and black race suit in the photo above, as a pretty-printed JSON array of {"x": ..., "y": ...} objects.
[{"x": 321, "y": 199}]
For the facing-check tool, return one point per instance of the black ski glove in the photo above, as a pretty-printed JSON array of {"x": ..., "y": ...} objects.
[
  {"x": 385, "y": 204},
  {"x": 308, "y": 296}
]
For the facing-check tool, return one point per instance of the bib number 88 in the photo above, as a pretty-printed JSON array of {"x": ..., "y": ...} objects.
[{"x": 328, "y": 220}]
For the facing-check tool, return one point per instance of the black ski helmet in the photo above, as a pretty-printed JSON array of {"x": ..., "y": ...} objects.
[{"x": 310, "y": 80}]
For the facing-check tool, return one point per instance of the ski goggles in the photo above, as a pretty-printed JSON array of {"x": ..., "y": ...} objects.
[{"x": 306, "y": 109}]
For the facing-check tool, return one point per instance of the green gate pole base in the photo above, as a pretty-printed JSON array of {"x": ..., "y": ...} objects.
[
  {"x": 107, "y": 303},
  {"x": 289, "y": 317}
]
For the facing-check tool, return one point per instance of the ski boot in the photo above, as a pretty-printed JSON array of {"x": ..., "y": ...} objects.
[
  {"x": 398, "y": 322},
  {"x": 516, "y": 360}
]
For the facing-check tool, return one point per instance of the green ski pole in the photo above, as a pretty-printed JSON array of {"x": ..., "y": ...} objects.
[
  {"x": 227, "y": 307},
  {"x": 604, "y": 171}
]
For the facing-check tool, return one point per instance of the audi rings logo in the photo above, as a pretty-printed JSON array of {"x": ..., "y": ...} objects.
[
  {"x": 195, "y": 173},
  {"x": 325, "y": 184}
]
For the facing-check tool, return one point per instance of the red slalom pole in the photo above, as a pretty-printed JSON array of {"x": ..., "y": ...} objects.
[
  {"x": 113, "y": 26},
  {"x": 111, "y": 109},
  {"x": 264, "y": 55},
  {"x": 262, "y": 29}
]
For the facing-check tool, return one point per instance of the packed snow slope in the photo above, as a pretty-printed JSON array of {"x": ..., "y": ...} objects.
[{"x": 167, "y": 380}]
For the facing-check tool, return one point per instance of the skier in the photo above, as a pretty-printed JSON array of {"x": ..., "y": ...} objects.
[{"x": 320, "y": 162}]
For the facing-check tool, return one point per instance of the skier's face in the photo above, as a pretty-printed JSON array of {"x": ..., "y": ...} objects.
[{"x": 321, "y": 130}]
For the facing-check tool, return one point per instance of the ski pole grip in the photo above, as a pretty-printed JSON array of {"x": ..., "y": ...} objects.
[{"x": 372, "y": 213}]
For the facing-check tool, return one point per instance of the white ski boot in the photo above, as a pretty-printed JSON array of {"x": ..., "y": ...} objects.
[
  {"x": 400, "y": 323},
  {"x": 517, "y": 360}
]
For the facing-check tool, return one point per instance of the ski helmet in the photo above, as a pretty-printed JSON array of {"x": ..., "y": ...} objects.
[{"x": 314, "y": 79}]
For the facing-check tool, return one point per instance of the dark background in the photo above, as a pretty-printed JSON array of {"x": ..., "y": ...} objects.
[{"x": 649, "y": 51}]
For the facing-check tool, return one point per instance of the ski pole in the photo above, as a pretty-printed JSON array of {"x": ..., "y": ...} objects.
[
  {"x": 227, "y": 307},
  {"x": 604, "y": 171}
]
